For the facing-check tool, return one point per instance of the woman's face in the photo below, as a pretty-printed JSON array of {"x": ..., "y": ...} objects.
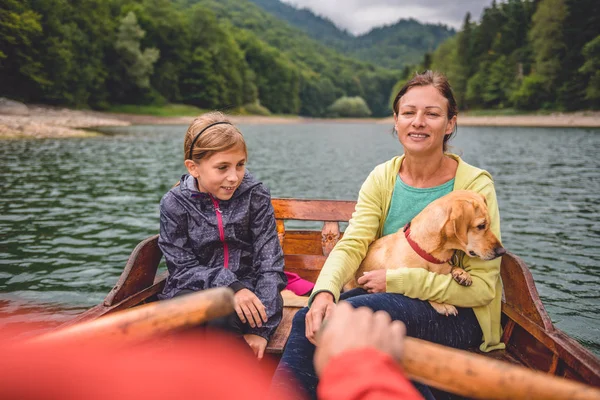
[{"x": 422, "y": 121}]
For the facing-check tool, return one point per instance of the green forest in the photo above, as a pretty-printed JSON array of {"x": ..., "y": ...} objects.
[
  {"x": 528, "y": 55},
  {"x": 245, "y": 55}
]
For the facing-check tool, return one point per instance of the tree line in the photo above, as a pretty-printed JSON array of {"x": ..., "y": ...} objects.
[
  {"x": 226, "y": 54},
  {"x": 526, "y": 54},
  {"x": 211, "y": 54}
]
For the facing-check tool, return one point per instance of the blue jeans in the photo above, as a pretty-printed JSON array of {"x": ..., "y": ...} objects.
[{"x": 421, "y": 320}]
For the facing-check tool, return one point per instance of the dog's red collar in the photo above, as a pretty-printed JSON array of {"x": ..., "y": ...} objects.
[{"x": 425, "y": 255}]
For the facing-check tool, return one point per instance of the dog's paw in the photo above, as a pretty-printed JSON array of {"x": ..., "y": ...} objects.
[
  {"x": 444, "y": 309},
  {"x": 462, "y": 277}
]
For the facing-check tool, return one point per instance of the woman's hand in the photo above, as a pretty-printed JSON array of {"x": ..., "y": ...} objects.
[
  {"x": 350, "y": 329},
  {"x": 373, "y": 281},
  {"x": 249, "y": 308},
  {"x": 320, "y": 309},
  {"x": 258, "y": 344}
]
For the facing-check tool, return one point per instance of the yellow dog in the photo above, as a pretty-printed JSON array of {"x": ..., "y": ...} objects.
[{"x": 456, "y": 221}]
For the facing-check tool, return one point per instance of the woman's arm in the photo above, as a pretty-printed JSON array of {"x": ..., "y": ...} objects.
[
  {"x": 182, "y": 262},
  {"x": 268, "y": 260},
  {"x": 348, "y": 253},
  {"x": 422, "y": 284}
]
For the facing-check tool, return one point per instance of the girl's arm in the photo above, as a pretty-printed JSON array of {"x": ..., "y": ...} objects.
[
  {"x": 268, "y": 260},
  {"x": 421, "y": 284},
  {"x": 183, "y": 265}
]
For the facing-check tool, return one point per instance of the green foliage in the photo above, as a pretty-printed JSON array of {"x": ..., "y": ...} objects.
[
  {"x": 279, "y": 84},
  {"x": 211, "y": 54},
  {"x": 138, "y": 64},
  {"x": 398, "y": 45},
  {"x": 492, "y": 85},
  {"x": 591, "y": 68},
  {"x": 167, "y": 110},
  {"x": 217, "y": 75},
  {"x": 546, "y": 36},
  {"x": 532, "y": 93},
  {"x": 351, "y": 107},
  {"x": 20, "y": 27},
  {"x": 311, "y": 59},
  {"x": 525, "y": 54},
  {"x": 256, "y": 109},
  {"x": 228, "y": 54},
  {"x": 393, "y": 46},
  {"x": 167, "y": 29},
  {"x": 581, "y": 25}
]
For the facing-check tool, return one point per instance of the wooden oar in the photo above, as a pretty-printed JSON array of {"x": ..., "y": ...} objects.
[
  {"x": 146, "y": 321},
  {"x": 477, "y": 376}
]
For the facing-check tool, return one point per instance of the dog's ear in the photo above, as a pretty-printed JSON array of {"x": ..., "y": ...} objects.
[
  {"x": 484, "y": 199},
  {"x": 460, "y": 214}
]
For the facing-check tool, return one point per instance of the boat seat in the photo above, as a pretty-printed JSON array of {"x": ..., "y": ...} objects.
[{"x": 280, "y": 337}]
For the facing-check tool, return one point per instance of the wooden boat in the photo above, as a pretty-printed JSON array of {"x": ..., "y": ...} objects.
[{"x": 531, "y": 339}]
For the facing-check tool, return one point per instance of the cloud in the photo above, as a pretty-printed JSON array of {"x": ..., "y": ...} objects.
[{"x": 360, "y": 16}]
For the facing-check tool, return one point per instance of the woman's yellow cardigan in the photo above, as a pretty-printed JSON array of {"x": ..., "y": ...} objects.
[{"x": 366, "y": 225}]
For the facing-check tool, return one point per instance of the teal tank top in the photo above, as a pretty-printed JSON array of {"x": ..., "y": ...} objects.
[{"x": 408, "y": 201}]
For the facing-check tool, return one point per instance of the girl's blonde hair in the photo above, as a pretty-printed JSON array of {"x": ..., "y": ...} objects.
[{"x": 220, "y": 137}]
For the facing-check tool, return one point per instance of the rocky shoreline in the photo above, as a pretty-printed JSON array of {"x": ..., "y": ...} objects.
[{"x": 20, "y": 121}]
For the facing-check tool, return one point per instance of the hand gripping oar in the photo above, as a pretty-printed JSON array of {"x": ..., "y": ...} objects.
[
  {"x": 143, "y": 322},
  {"x": 477, "y": 376}
]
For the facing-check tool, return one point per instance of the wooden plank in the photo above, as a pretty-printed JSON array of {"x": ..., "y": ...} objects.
[
  {"x": 302, "y": 242},
  {"x": 280, "y": 337},
  {"x": 307, "y": 266},
  {"x": 529, "y": 351},
  {"x": 313, "y": 210},
  {"x": 521, "y": 294},
  {"x": 139, "y": 271},
  {"x": 571, "y": 353}
]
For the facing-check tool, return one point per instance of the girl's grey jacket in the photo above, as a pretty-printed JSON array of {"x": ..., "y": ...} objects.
[{"x": 199, "y": 234}]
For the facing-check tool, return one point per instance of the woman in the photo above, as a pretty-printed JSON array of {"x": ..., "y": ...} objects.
[{"x": 425, "y": 114}]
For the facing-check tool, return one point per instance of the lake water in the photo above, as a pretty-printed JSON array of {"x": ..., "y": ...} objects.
[{"x": 72, "y": 210}]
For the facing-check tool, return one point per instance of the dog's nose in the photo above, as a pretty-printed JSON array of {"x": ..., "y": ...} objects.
[{"x": 499, "y": 251}]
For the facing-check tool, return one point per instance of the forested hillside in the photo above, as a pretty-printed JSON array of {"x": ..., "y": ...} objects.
[
  {"x": 394, "y": 46},
  {"x": 231, "y": 54},
  {"x": 212, "y": 54},
  {"x": 325, "y": 74},
  {"x": 315, "y": 26},
  {"x": 526, "y": 54}
]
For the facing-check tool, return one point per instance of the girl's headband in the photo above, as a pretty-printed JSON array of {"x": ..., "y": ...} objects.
[{"x": 200, "y": 133}]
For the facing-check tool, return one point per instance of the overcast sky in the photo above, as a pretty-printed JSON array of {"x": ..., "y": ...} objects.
[{"x": 359, "y": 16}]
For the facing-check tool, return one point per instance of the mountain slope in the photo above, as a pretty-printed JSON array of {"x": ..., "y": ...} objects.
[
  {"x": 392, "y": 46},
  {"x": 317, "y": 27},
  {"x": 324, "y": 70}
]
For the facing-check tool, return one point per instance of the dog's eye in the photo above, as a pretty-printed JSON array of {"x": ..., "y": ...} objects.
[{"x": 481, "y": 226}]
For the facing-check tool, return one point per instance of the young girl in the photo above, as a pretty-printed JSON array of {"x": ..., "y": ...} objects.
[{"x": 217, "y": 228}]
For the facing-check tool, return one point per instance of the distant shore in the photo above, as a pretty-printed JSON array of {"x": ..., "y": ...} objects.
[{"x": 46, "y": 122}]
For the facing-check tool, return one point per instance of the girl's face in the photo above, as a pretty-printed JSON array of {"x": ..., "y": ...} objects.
[
  {"x": 219, "y": 174},
  {"x": 422, "y": 120}
]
